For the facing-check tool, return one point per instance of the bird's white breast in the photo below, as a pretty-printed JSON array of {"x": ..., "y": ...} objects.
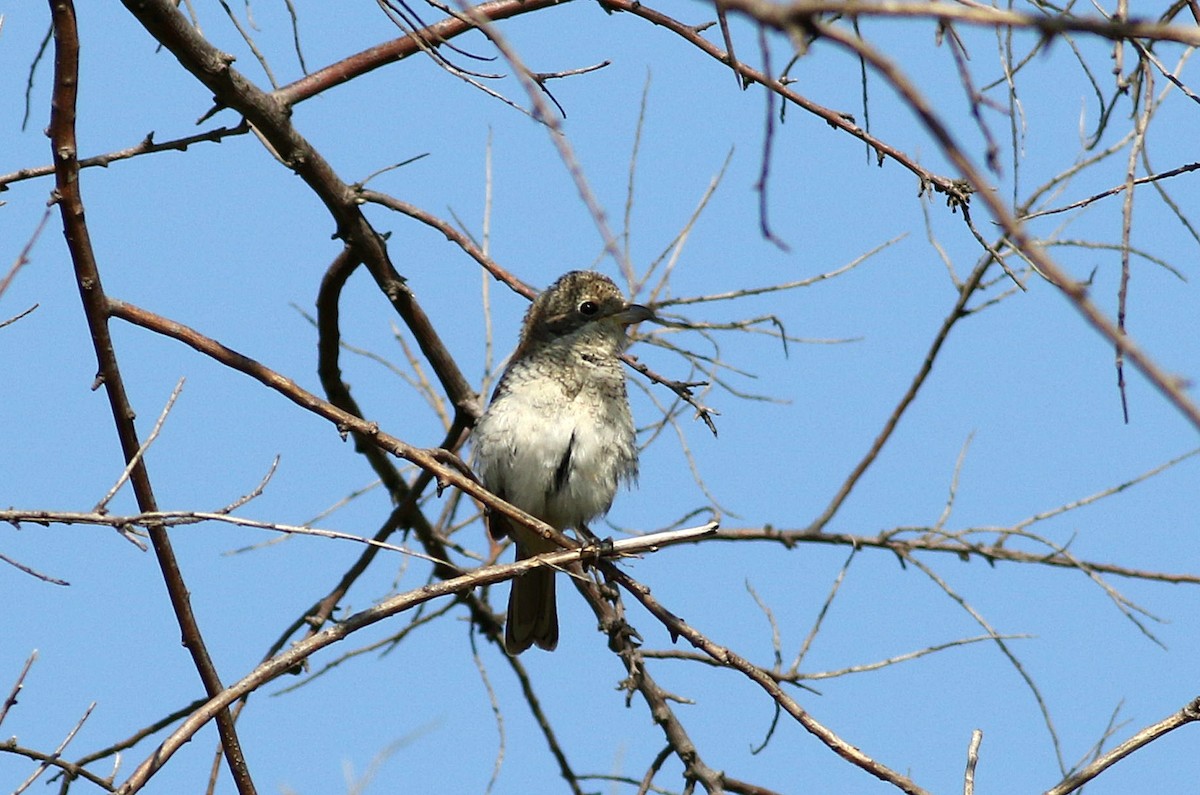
[{"x": 523, "y": 437}]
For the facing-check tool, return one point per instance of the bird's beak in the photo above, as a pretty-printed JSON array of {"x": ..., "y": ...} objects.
[{"x": 633, "y": 313}]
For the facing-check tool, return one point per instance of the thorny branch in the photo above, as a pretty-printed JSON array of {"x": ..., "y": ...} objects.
[
  {"x": 267, "y": 114},
  {"x": 1021, "y": 240},
  {"x": 95, "y": 304},
  {"x": 298, "y": 652}
]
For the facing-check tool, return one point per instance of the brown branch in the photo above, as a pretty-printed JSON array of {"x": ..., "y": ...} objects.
[
  {"x": 957, "y": 546},
  {"x": 31, "y": 571},
  {"x": 1188, "y": 714},
  {"x": 23, "y": 257},
  {"x": 18, "y": 685},
  {"x": 680, "y": 388},
  {"x": 302, "y": 650},
  {"x": 541, "y": 112},
  {"x": 655, "y": 765},
  {"x": 18, "y": 316},
  {"x": 1171, "y": 387},
  {"x": 764, "y": 171},
  {"x": 804, "y": 12},
  {"x": 794, "y": 676},
  {"x": 1141, "y": 121},
  {"x": 957, "y": 312},
  {"x": 432, "y": 460},
  {"x": 271, "y": 118},
  {"x": 835, "y": 119},
  {"x": 73, "y": 770},
  {"x": 1001, "y": 644},
  {"x": 141, "y": 734},
  {"x": 1174, "y": 172},
  {"x": 543, "y": 721},
  {"x": 389, "y": 52},
  {"x": 972, "y": 761},
  {"x": 329, "y": 341},
  {"x": 146, "y": 147},
  {"x": 418, "y": 620},
  {"x": 729, "y": 659},
  {"x": 178, "y": 518},
  {"x": 746, "y": 788},
  {"x": 102, "y": 506},
  {"x": 87, "y": 275},
  {"x": 53, "y": 758},
  {"x": 605, "y": 603},
  {"x": 453, "y": 235},
  {"x": 404, "y": 496}
]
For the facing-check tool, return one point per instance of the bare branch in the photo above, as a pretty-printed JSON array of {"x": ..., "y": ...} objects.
[
  {"x": 101, "y": 507},
  {"x": 730, "y": 659},
  {"x": 287, "y": 660},
  {"x": 1188, "y": 714},
  {"x": 800, "y": 12},
  {"x": 23, "y": 259},
  {"x": 95, "y": 305},
  {"x": 31, "y": 571},
  {"x": 972, "y": 761},
  {"x": 53, "y": 758},
  {"x": 146, "y": 147},
  {"x": 18, "y": 685}
]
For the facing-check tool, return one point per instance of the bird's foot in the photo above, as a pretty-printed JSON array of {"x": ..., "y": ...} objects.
[{"x": 594, "y": 546}]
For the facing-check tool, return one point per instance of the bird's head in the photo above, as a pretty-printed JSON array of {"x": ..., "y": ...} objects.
[{"x": 583, "y": 305}]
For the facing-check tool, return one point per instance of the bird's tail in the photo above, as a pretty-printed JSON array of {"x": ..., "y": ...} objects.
[{"x": 532, "y": 612}]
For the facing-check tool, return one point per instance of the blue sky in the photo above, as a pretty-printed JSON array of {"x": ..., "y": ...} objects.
[{"x": 225, "y": 239}]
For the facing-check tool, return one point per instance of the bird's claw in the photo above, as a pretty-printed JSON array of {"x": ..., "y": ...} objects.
[{"x": 595, "y": 549}]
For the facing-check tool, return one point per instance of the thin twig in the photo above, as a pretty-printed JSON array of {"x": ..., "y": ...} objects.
[
  {"x": 96, "y": 306},
  {"x": 295, "y": 654},
  {"x": 146, "y": 147},
  {"x": 972, "y": 761},
  {"x": 52, "y": 758},
  {"x": 730, "y": 659},
  {"x": 1002, "y": 645},
  {"x": 102, "y": 506},
  {"x": 1188, "y": 714},
  {"x": 542, "y": 113},
  {"x": 23, "y": 258},
  {"x": 1095, "y": 197},
  {"x": 785, "y": 16},
  {"x": 18, "y": 685}
]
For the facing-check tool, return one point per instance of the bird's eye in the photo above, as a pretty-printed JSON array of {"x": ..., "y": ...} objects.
[{"x": 589, "y": 308}]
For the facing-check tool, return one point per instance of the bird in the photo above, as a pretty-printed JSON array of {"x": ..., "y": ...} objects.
[{"x": 557, "y": 437}]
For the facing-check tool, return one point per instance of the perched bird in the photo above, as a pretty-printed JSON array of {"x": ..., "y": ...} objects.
[{"x": 557, "y": 437}]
